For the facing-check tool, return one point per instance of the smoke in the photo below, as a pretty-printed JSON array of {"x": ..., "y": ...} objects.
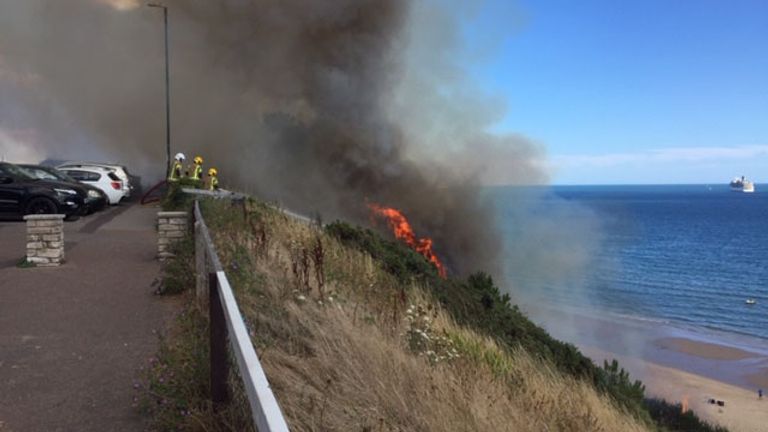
[{"x": 323, "y": 106}]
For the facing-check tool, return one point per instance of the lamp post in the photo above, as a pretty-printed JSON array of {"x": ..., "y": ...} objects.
[{"x": 167, "y": 92}]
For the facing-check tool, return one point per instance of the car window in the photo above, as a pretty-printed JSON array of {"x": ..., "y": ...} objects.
[
  {"x": 113, "y": 176},
  {"x": 58, "y": 174},
  {"x": 85, "y": 176},
  {"x": 39, "y": 173},
  {"x": 77, "y": 175},
  {"x": 14, "y": 171}
]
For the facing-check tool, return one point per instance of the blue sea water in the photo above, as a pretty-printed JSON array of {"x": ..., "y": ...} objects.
[{"x": 688, "y": 255}]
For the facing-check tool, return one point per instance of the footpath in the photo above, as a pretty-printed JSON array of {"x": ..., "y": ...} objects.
[{"x": 74, "y": 338}]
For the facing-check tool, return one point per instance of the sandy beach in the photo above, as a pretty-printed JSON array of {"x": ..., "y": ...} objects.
[
  {"x": 677, "y": 363},
  {"x": 743, "y": 411}
]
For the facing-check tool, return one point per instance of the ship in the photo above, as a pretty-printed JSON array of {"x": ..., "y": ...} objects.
[{"x": 742, "y": 185}]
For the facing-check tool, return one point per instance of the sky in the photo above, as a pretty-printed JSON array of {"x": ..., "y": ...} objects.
[{"x": 630, "y": 92}]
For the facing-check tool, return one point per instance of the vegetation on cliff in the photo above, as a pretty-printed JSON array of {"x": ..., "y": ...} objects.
[{"x": 357, "y": 332}]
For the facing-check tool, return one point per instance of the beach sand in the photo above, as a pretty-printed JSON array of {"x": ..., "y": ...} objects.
[
  {"x": 703, "y": 349},
  {"x": 677, "y": 363},
  {"x": 743, "y": 411}
]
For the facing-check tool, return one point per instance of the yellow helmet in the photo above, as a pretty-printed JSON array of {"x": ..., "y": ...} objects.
[
  {"x": 198, "y": 160},
  {"x": 212, "y": 172}
]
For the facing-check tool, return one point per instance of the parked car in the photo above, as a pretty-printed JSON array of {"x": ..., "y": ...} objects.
[
  {"x": 21, "y": 195},
  {"x": 102, "y": 178},
  {"x": 130, "y": 182},
  {"x": 95, "y": 200}
]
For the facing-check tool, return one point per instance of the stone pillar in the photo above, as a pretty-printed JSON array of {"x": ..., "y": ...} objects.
[
  {"x": 171, "y": 227},
  {"x": 45, "y": 240}
]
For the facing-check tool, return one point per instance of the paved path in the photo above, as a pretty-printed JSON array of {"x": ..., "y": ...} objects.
[{"x": 72, "y": 339}]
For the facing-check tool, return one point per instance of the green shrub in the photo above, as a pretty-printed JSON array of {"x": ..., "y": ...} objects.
[
  {"x": 397, "y": 259},
  {"x": 176, "y": 199},
  {"x": 670, "y": 417},
  {"x": 178, "y": 273},
  {"x": 24, "y": 263}
]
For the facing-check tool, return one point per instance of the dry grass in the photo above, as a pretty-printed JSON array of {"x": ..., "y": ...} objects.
[{"x": 331, "y": 329}]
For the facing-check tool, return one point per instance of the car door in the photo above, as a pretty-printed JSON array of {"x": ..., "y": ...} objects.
[{"x": 11, "y": 193}]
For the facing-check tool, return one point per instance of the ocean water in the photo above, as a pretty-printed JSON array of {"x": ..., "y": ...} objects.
[{"x": 685, "y": 255}]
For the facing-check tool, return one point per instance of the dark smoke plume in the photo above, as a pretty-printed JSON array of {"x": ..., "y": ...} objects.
[{"x": 321, "y": 105}]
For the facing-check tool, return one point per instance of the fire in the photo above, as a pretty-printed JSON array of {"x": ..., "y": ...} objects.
[
  {"x": 403, "y": 231},
  {"x": 684, "y": 404}
]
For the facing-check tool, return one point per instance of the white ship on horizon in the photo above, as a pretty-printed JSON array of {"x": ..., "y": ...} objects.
[{"x": 742, "y": 185}]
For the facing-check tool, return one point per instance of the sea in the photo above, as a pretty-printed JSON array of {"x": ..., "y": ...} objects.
[{"x": 682, "y": 255}]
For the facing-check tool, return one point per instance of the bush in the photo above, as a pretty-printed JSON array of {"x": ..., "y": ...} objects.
[
  {"x": 397, "y": 259},
  {"x": 176, "y": 199},
  {"x": 178, "y": 273},
  {"x": 671, "y": 417}
]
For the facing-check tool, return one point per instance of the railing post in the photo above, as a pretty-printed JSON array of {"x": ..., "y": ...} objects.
[
  {"x": 201, "y": 268},
  {"x": 219, "y": 360}
]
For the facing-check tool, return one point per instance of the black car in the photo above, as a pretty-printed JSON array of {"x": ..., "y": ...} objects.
[
  {"x": 95, "y": 200},
  {"x": 21, "y": 195}
]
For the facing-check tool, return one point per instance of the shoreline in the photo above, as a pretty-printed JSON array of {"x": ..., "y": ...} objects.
[
  {"x": 734, "y": 359},
  {"x": 743, "y": 411},
  {"x": 674, "y": 362}
]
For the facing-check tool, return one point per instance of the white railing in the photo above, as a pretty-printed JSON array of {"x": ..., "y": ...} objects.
[{"x": 227, "y": 324}]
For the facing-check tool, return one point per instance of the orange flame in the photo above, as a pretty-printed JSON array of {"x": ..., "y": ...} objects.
[
  {"x": 403, "y": 231},
  {"x": 684, "y": 404}
]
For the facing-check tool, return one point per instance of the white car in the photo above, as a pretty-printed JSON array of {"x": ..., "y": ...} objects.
[
  {"x": 102, "y": 178},
  {"x": 119, "y": 170}
]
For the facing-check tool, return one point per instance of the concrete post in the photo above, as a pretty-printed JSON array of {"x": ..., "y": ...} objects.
[
  {"x": 45, "y": 239},
  {"x": 171, "y": 227}
]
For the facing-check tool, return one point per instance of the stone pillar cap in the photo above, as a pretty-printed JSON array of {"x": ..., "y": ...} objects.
[
  {"x": 171, "y": 213},
  {"x": 44, "y": 217}
]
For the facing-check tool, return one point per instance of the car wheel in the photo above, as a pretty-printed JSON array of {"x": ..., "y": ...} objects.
[{"x": 41, "y": 205}]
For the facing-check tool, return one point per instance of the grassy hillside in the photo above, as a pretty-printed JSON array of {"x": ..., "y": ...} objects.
[{"x": 358, "y": 333}]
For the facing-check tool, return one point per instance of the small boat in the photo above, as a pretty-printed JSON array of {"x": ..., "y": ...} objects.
[
  {"x": 751, "y": 301},
  {"x": 742, "y": 185}
]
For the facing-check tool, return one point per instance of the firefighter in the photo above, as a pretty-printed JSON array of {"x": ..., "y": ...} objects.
[
  {"x": 197, "y": 169},
  {"x": 213, "y": 182},
  {"x": 176, "y": 167}
]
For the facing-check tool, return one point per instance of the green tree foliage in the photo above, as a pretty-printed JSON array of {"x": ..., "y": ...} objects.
[
  {"x": 397, "y": 259},
  {"x": 615, "y": 381}
]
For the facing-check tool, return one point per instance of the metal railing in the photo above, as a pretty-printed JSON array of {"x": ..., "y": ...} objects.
[{"x": 227, "y": 323}]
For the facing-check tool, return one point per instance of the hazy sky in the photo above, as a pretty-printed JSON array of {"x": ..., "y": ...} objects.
[{"x": 651, "y": 91}]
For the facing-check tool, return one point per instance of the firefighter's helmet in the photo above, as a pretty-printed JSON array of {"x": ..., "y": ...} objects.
[
  {"x": 179, "y": 157},
  {"x": 212, "y": 172},
  {"x": 198, "y": 160}
]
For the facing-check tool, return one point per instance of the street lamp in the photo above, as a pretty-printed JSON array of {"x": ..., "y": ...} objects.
[{"x": 167, "y": 92}]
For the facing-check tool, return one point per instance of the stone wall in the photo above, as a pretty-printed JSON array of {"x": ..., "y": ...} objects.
[
  {"x": 45, "y": 240},
  {"x": 171, "y": 227}
]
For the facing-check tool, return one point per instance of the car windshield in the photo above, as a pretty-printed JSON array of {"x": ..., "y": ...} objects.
[
  {"x": 58, "y": 174},
  {"x": 15, "y": 171},
  {"x": 43, "y": 174}
]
